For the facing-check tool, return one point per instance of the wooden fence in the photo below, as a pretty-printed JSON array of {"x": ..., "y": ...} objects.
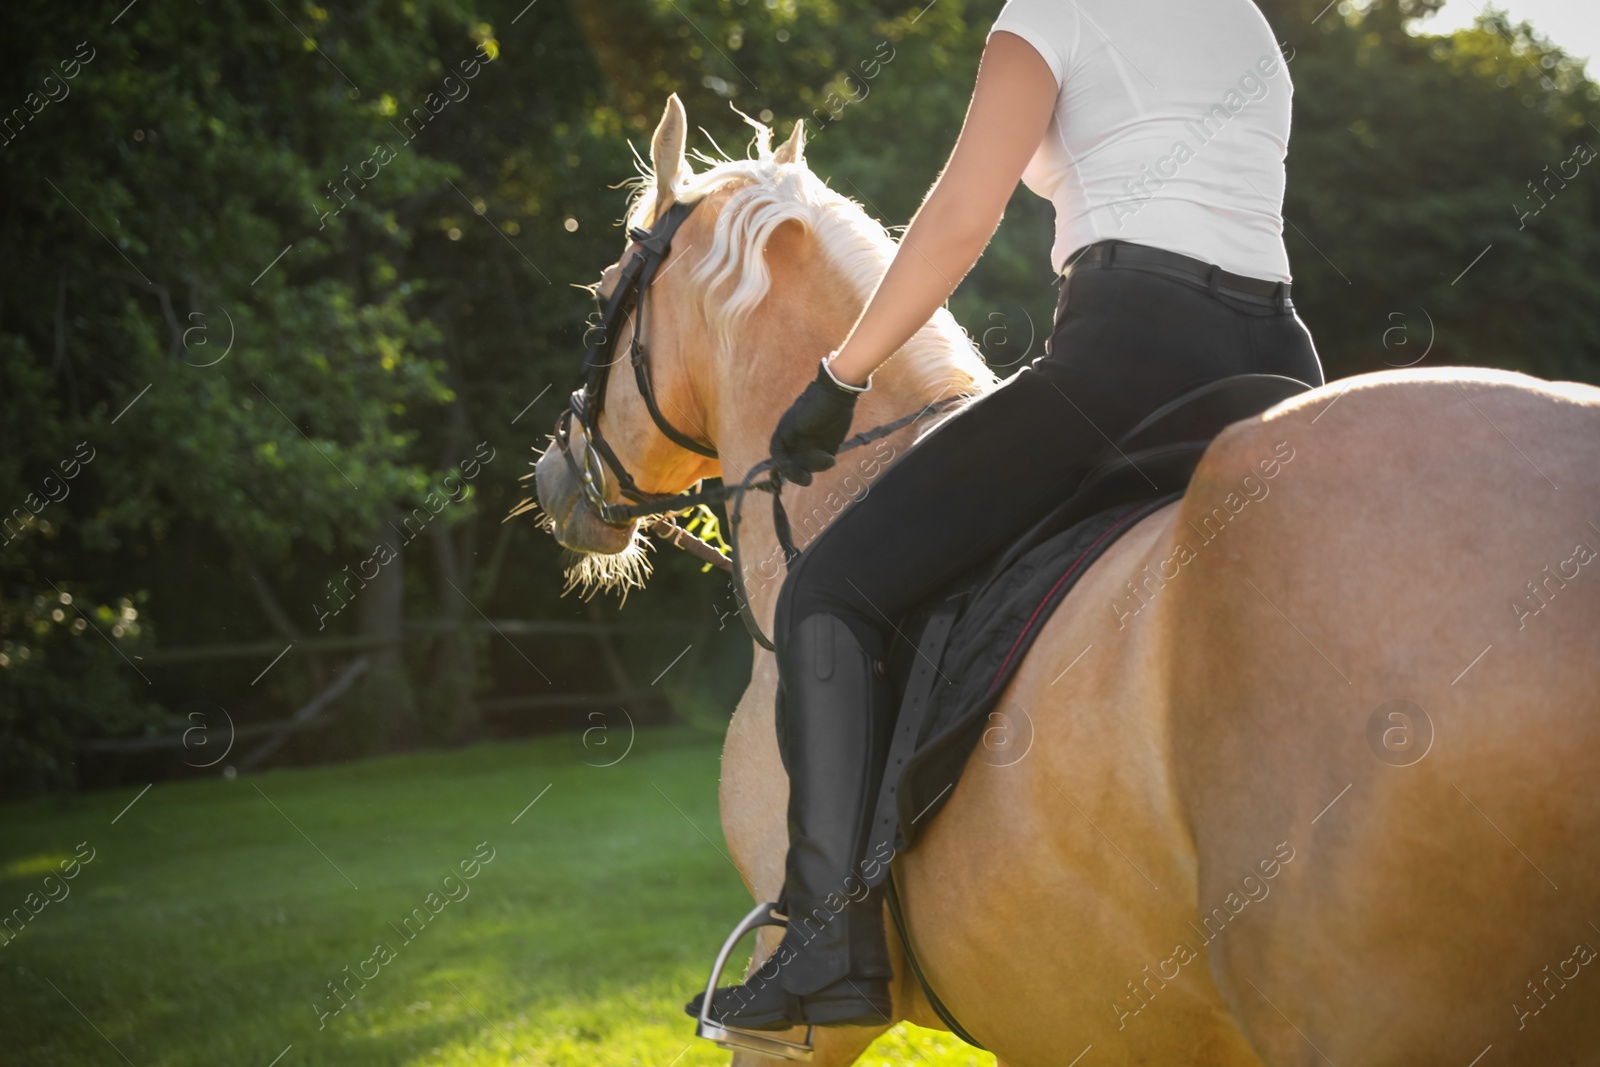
[{"x": 273, "y": 735}]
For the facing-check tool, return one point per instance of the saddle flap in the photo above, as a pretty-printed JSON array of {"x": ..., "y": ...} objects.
[{"x": 887, "y": 834}]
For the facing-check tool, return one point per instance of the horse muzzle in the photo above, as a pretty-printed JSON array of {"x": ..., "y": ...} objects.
[{"x": 574, "y": 521}]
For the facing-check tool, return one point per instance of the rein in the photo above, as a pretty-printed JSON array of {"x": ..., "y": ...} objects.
[
  {"x": 588, "y": 402},
  {"x": 780, "y": 517}
]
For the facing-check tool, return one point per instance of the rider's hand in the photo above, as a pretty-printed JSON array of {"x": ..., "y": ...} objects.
[{"x": 810, "y": 432}]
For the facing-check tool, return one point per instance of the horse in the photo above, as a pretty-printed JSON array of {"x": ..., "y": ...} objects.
[{"x": 1309, "y": 765}]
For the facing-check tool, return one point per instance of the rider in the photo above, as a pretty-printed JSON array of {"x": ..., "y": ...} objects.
[{"x": 1158, "y": 129}]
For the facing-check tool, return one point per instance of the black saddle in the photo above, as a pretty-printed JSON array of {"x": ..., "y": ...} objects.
[{"x": 958, "y": 651}]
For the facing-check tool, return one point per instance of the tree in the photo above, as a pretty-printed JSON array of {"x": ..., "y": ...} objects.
[{"x": 198, "y": 290}]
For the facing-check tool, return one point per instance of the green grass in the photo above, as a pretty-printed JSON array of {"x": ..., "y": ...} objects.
[{"x": 207, "y": 926}]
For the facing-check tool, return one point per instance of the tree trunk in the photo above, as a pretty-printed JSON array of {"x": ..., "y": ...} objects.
[
  {"x": 386, "y": 691},
  {"x": 455, "y": 667}
]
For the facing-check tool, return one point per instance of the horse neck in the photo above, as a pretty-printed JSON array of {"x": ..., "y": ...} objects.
[{"x": 773, "y": 360}]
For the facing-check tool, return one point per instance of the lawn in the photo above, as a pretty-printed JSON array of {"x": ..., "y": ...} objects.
[{"x": 213, "y": 921}]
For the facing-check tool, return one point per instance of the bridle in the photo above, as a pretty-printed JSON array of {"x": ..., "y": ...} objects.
[{"x": 588, "y": 402}]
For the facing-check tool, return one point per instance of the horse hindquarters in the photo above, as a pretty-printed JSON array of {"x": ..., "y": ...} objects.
[{"x": 1383, "y": 679}]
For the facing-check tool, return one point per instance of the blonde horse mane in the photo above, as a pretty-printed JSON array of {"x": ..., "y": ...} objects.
[{"x": 940, "y": 358}]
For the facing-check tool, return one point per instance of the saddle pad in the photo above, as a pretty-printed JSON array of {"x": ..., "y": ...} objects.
[{"x": 968, "y": 651}]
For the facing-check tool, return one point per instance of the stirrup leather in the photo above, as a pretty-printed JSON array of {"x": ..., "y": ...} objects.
[{"x": 732, "y": 1037}]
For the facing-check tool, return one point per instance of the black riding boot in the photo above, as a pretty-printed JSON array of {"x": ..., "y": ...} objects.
[{"x": 834, "y": 722}]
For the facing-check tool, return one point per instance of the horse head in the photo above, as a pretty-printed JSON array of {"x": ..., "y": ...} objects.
[
  {"x": 611, "y": 552},
  {"x": 701, "y": 377}
]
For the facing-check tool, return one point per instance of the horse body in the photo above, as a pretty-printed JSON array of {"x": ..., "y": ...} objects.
[
  {"x": 1271, "y": 809},
  {"x": 1220, "y": 734}
]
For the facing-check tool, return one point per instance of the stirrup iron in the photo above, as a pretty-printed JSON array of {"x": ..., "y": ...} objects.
[{"x": 732, "y": 1037}]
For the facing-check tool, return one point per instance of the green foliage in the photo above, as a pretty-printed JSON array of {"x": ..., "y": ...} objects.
[
  {"x": 174, "y": 299},
  {"x": 58, "y": 684},
  {"x": 1410, "y": 156}
]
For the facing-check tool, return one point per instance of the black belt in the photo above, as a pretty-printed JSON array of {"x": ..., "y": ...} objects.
[{"x": 1207, "y": 276}]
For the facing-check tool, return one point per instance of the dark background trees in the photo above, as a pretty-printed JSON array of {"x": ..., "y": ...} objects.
[{"x": 387, "y": 259}]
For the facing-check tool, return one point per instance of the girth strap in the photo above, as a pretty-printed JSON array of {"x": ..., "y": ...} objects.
[{"x": 938, "y": 1006}]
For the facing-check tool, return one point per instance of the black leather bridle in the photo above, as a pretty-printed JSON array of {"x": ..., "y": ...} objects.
[{"x": 588, "y": 402}]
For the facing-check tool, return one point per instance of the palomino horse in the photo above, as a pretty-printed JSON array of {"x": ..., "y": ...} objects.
[{"x": 1312, "y": 770}]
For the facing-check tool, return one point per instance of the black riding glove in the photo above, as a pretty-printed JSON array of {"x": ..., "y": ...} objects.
[{"x": 810, "y": 432}]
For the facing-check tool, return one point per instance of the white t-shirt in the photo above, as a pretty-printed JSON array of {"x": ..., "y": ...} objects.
[{"x": 1170, "y": 129}]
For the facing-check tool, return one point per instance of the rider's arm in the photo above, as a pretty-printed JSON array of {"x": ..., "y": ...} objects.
[{"x": 1010, "y": 110}]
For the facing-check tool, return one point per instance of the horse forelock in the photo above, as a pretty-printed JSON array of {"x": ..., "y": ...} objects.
[{"x": 732, "y": 278}]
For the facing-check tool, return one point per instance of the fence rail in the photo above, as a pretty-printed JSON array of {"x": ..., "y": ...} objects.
[
  {"x": 413, "y": 629},
  {"x": 274, "y": 734}
]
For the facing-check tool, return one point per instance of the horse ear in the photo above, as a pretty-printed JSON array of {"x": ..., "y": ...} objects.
[
  {"x": 666, "y": 151},
  {"x": 794, "y": 149}
]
